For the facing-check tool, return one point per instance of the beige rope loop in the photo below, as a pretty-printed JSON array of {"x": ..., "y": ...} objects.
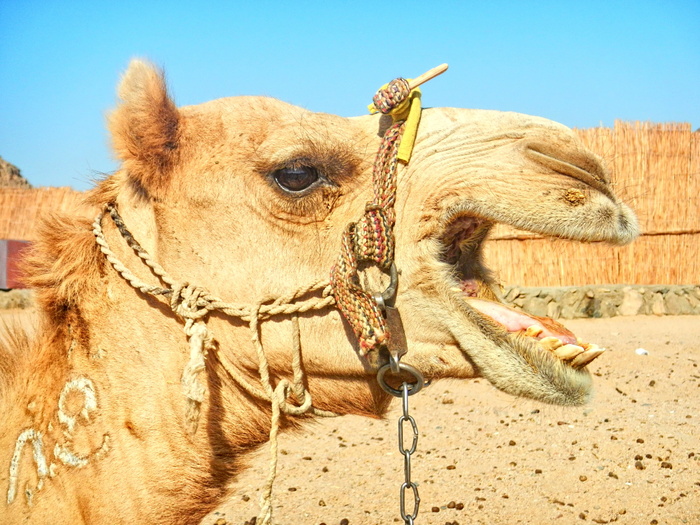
[
  {"x": 193, "y": 303},
  {"x": 156, "y": 268},
  {"x": 186, "y": 301}
]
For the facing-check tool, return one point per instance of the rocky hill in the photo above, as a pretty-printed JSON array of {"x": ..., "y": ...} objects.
[{"x": 10, "y": 177}]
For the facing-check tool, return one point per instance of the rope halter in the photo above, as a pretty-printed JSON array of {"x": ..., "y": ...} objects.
[
  {"x": 375, "y": 322},
  {"x": 370, "y": 240}
]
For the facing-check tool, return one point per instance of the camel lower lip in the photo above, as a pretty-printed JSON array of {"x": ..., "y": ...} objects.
[{"x": 549, "y": 335}]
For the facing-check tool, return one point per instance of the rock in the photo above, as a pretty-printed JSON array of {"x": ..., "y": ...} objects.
[
  {"x": 677, "y": 304},
  {"x": 695, "y": 292},
  {"x": 571, "y": 301},
  {"x": 694, "y": 302},
  {"x": 511, "y": 294},
  {"x": 554, "y": 310},
  {"x": 10, "y": 176},
  {"x": 536, "y": 306},
  {"x": 632, "y": 302},
  {"x": 608, "y": 307},
  {"x": 658, "y": 305}
]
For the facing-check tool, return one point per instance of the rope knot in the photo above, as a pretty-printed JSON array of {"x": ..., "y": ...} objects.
[
  {"x": 390, "y": 97},
  {"x": 189, "y": 301}
]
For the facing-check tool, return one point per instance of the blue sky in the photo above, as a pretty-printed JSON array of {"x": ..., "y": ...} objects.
[{"x": 582, "y": 63}]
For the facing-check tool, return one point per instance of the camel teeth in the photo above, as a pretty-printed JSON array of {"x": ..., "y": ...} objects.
[
  {"x": 567, "y": 352},
  {"x": 550, "y": 343},
  {"x": 456, "y": 289},
  {"x": 534, "y": 330},
  {"x": 586, "y": 357}
]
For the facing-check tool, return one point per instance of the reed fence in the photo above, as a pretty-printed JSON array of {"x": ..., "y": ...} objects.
[
  {"x": 22, "y": 209},
  {"x": 654, "y": 168}
]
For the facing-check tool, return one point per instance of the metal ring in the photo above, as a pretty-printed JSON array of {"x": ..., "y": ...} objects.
[
  {"x": 388, "y": 296},
  {"x": 413, "y": 388}
]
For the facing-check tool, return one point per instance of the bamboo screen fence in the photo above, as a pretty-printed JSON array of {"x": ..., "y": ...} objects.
[
  {"x": 655, "y": 169},
  {"x": 21, "y": 209}
]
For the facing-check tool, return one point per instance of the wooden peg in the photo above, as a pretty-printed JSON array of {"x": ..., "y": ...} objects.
[{"x": 428, "y": 75}]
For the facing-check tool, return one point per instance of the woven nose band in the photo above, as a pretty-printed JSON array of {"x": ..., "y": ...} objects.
[{"x": 371, "y": 238}]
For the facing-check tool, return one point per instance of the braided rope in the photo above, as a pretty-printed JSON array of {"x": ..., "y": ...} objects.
[
  {"x": 193, "y": 304},
  {"x": 371, "y": 238}
]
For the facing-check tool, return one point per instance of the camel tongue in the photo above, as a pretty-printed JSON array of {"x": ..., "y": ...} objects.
[{"x": 516, "y": 321}]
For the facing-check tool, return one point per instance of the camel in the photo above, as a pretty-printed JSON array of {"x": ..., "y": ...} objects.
[{"x": 132, "y": 405}]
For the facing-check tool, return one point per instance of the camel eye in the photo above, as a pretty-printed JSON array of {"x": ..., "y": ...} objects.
[{"x": 296, "y": 179}]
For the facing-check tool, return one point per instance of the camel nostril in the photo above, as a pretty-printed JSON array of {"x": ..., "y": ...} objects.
[{"x": 573, "y": 162}]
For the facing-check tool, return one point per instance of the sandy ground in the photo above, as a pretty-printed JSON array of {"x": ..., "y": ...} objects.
[{"x": 632, "y": 456}]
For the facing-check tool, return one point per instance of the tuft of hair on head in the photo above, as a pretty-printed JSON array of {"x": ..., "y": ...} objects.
[{"x": 145, "y": 127}]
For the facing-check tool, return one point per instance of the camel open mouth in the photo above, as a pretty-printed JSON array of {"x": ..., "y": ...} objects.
[{"x": 541, "y": 344}]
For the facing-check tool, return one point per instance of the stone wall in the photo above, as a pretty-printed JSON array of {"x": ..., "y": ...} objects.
[
  {"x": 569, "y": 302},
  {"x": 574, "y": 302}
]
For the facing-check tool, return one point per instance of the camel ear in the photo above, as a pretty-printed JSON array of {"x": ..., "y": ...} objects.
[{"x": 145, "y": 127}]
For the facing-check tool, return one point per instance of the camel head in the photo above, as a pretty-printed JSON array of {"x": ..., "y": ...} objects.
[{"x": 249, "y": 197}]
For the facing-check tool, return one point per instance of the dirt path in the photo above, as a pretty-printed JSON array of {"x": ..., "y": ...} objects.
[{"x": 630, "y": 457}]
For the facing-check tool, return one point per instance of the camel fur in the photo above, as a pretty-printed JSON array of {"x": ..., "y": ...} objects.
[{"x": 248, "y": 197}]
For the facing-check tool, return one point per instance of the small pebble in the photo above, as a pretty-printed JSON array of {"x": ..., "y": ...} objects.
[
  {"x": 641, "y": 351},
  {"x": 666, "y": 464},
  {"x": 345, "y": 521},
  {"x": 435, "y": 509},
  {"x": 639, "y": 465},
  {"x": 582, "y": 478},
  {"x": 459, "y": 506}
]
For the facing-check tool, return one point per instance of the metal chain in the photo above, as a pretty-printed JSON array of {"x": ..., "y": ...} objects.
[{"x": 407, "y": 452}]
